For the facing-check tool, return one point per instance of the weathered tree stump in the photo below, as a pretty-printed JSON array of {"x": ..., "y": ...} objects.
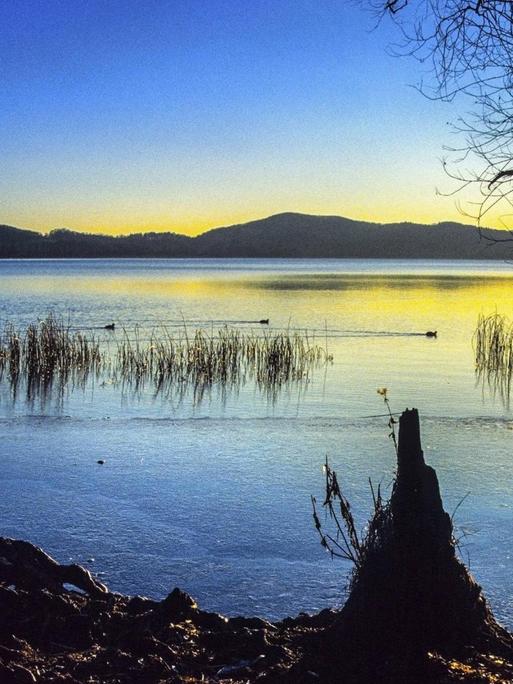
[{"x": 412, "y": 595}]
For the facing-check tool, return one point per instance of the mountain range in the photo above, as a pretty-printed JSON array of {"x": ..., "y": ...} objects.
[{"x": 287, "y": 235}]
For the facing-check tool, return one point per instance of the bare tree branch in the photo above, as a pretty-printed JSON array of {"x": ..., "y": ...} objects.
[{"x": 468, "y": 48}]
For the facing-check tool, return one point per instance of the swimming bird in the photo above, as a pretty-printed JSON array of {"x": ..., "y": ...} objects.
[
  {"x": 110, "y": 326},
  {"x": 264, "y": 321},
  {"x": 431, "y": 333}
]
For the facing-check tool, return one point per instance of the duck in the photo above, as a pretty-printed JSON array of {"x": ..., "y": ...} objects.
[
  {"x": 110, "y": 326},
  {"x": 264, "y": 321},
  {"x": 431, "y": 333}
]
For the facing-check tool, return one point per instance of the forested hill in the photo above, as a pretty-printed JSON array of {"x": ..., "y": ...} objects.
[{"x": 282, "y": 235}]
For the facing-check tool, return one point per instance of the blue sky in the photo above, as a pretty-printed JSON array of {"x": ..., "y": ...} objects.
[{"x": 124, "y": 116}]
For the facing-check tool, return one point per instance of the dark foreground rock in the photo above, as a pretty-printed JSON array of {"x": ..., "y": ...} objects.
[
  {"x": 414, "y": 615},
  {"x": 59, "y": 634},
  {"x": 59, "y": 625}
]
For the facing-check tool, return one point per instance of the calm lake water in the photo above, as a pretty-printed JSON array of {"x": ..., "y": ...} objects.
[{"x": 215, "y": 497}]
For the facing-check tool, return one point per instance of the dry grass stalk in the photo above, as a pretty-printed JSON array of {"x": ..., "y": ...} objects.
[{"x": 345, "y": 541}]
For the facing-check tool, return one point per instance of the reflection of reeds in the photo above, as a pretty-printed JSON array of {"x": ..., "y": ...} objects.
[
  {"x": 47, "y": 353},
  {"x": 493, "y": 349},
  {"x": 50, "y": 352},
  {"x": 227, "y": 358}
]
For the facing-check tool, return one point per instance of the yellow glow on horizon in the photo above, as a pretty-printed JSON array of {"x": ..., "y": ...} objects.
[
  {"x": 193, "y": 218},
  {"x": 193, "y": 226}
]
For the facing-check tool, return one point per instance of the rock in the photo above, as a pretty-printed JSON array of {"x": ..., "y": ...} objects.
[
  {"x": 140, "y": 604},
  {"x": 30, "y": 567},
  {"x": 6, "y": 675},
  {"x": 9, "y": 601},
  {"x": 251, "y": 623},
  {"x": 177, "y": 604},
  {"x": 211, "y": 620},
  {"x": 22, "y": 675}
]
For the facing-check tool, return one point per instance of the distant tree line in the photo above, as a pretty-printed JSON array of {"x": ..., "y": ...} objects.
[{"x": 281, "y": 236}]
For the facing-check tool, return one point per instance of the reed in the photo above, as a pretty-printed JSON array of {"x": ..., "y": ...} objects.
[
  {"x": 493, "y": 350},
  {"x": 49, "y": 351},
  {"x": 228, "y": 357},
  {"x": 46, "y": 352}
]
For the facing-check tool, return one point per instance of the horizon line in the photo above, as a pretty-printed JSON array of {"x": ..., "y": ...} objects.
[{"x": 245, "y": 223}]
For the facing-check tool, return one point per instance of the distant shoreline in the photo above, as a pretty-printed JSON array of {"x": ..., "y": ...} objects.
[
  {"x": 498, "y": 260},
  {"x": 284, "y": 236}
]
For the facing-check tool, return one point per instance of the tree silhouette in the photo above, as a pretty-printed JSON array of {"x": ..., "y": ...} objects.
[{"x": 468, "y": 47}]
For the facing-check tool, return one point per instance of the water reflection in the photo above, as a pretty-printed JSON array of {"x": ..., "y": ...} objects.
[
  {"x": 375, "y": 314},
  {"x": 49, "y": 358},
  {"x": 242, "y": 467},
  {"x": 335, "y": 282}
]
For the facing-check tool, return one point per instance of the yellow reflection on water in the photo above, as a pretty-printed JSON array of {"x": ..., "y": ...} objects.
[
  {"x": 393, "y": 302},
  {"x": 375, "y": 322}
]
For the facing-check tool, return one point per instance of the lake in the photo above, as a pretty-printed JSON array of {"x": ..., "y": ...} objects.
[{"x": 214, "y": 496}]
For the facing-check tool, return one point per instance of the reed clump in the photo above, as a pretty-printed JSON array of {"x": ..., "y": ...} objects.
[
  {"x": 47, "y": 352},
  {"x": 493, "y": 349},
  {"x": 227, "y": 357}
]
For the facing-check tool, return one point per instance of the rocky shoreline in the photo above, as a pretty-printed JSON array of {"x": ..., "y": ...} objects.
[
  {"x": 60, "y": 625},
  {"x": 414, "y": 615}
]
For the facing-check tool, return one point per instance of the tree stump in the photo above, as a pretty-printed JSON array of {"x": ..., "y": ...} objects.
[{"x": 412, "y": 595}]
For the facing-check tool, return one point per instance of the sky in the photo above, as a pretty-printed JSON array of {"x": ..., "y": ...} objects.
[{"x": 128, "y": 116}]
